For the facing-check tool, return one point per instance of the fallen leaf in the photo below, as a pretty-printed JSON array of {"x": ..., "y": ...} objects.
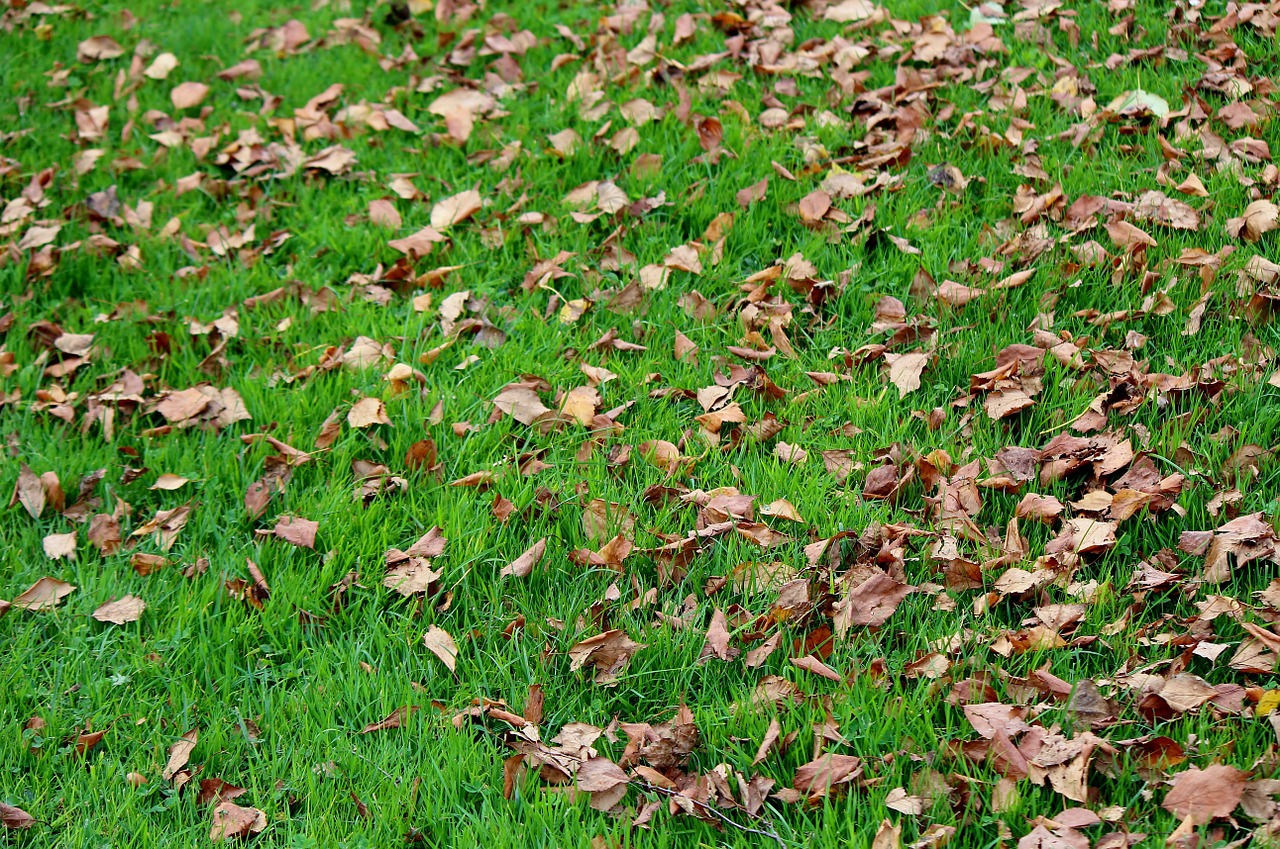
[
  {"x": 188, "y": 94},
  {"x": 905, "y": 370},
  {"x": 523, "y": 565},
  {"x": 44, "y": 594},
  {"x": 1203, "y": 795},
  {"x": 366, "y": 412},
  {"x": 122, "y": 610},
  {"x": 441, "y": 644},
  {"x": 455, "y": 209},
  {"x": 231, "y": 822},
  {"x": 15, "y": 818},
  {"x": 180, "y": 754}
]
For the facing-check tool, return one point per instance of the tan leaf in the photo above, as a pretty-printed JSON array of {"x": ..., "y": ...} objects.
[
  {"x": 97, "y": 48},
  {"x": 188, "y": 94},
  {"x": 161, "y": 66},
  {"x": 231, "y": 822},
  {"x": 580, "y": 404},
  {"x": 295, "y": 530},
  {"x": 523, "y": 565},
  {"x": 168, "y": 482},
  {"x": 1259, "y": 217},
  {"x": 366, "y": 412},
  {"x": 121, "y": 610},
  {"x": 1129, "y": 237},
  {"x": 29, "y": 491},
  {"x": 717, "y": 644},
  {"x": 45, "y": 594},
  {"x": 814, "y": 206},
  {"x": 521, "y": 403},
  {"x": 58, "y": 546},
  {"x": 1202, "y": 795},
  {"x": 610, "y": 198},
  {"x": 455, "y": 209},
  {"x": 383, "y": 213},
  {"x": 817, "y": 777},
  {"x": 180, "y": 754},
  {"x": 905, "y": 370},
  {"x": 441, "y": 644},
  {"x": 396, "y": 719}
]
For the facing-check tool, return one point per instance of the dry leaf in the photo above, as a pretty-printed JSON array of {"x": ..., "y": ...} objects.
[
  {"x": 119, "y": 611},
  {"x": 438, "y": 641},
  {"x": 231, "y": 822},
  {"x": 523, "y": 565}
]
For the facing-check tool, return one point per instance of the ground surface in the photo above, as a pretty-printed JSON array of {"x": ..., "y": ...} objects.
[{"x": 783, "y": 424}]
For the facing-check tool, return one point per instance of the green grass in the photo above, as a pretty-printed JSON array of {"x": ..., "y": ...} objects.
[{"x": 200, "y": 658}]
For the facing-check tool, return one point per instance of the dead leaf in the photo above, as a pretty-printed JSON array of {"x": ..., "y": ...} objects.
[
  {"x": 231, "y": 822},
  {"x": 441, "y": 644},
  {"x": 905, "y": 370},
  {"x": 188, "y": 94},
  {"x": 455, "y": 209},
  {"x": 1203, "y": 795},
  {"x": 396, "y": 719},
  {"x": 15, "y": 818},
  {"x": 180, "y": 754},
  {"x": 44, "y": 594},
  {"x": 122, "y": 610},
  {"x": 523, "y": 565},
  {"x": 366, "y": 412},
  {"x": 1261, "y": 216}
]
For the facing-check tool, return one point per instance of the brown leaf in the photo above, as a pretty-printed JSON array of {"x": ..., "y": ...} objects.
[
  {"x": 809, "y": 663},
  {"x": 295, "y": 530},
  {"x": 230, "y": 822},
  {"x": 383, "y": 213},
  {"x": 188, "y": 94},
  {"x": 58, "y": 546},
  {"x": 871, "y": 603},
  {"x": 521, "y": 403},
  {"x": 441, "y": 644},
  {"x": 753, "y": 193},
  {"x": 523, "y": 565},
  {"x": 608, "y": 653},
  {"x": 121, "y": 610},
  {"x": 814, "y": 206},
  {"x": 819, "y": 776},
  {"x": 1202, "y": 795},
  {"x": 717, "y": 644},
  {"x": 45, "y": 594},
  {"x": 366, "y": 412},
  {"x": 1042, "y": 508},
  {"x": 180, "y": 754},
  {"x": 28, "y": 491},
  {"x": 97, "y": 48},
  {"x": 1129, "y": 237},
  {"x": 395, "y": 720},
  {"x": 905, "y": 370},
  {"x": 455, "y": 209},
  {"x": 1261, "y": 216},
  {"x": 15, "y": 818}
]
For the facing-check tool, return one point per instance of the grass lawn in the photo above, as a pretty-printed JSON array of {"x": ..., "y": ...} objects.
[{"x": 697, "y": 422}]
